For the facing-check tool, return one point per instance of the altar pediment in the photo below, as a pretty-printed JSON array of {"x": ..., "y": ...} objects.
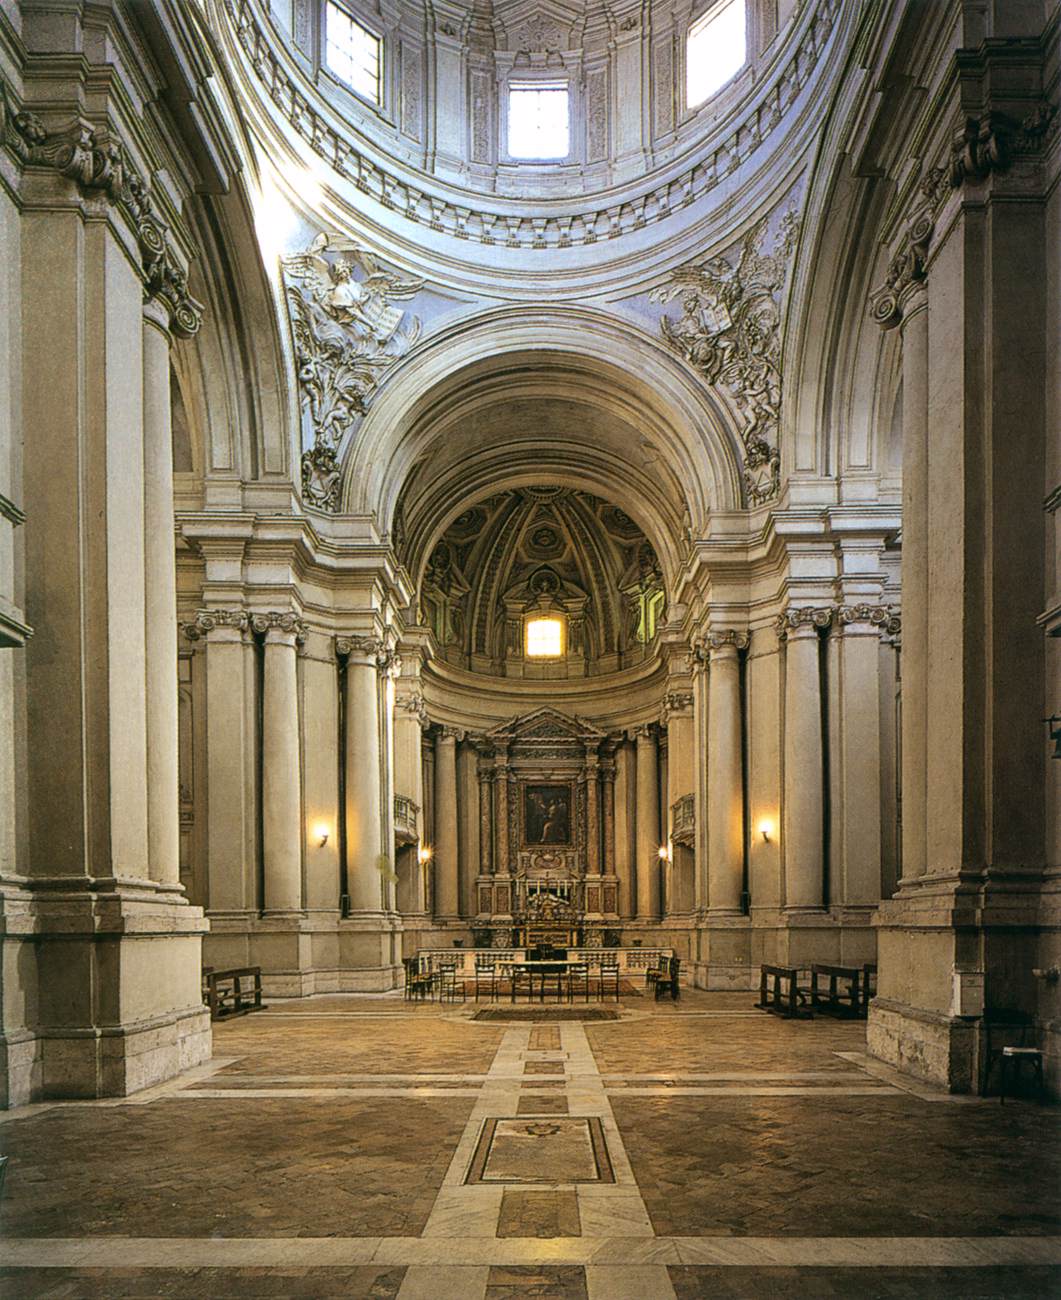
[{"x": 546, "y": 726}]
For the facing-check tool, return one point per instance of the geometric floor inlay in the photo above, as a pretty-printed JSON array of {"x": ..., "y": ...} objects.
[
  {"x": 544, "y": 1015},
  {"x": 548, "y": 1149}
]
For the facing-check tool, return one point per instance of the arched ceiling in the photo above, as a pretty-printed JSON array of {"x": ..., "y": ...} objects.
[{"x": 544, "y": 397}]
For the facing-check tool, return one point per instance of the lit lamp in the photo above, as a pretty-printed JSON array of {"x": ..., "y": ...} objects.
[
  {"x": 321, "y": 831},
  {"x": 423, "y": 854},
  {"x": 766, "y": 829},
  {"x": 664, "y": 853}
]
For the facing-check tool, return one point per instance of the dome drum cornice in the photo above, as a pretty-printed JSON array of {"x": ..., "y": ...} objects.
[{"x": 526, "y": 223}]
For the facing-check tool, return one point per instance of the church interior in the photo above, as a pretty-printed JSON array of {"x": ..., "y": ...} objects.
[{"x": 530, "y": 648}]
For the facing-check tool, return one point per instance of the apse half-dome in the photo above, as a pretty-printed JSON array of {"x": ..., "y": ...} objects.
[{"x": 543, "y": 582}]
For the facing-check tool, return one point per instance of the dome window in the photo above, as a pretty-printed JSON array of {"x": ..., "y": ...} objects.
[
  {"x": 539, "y": 120},
  {"x": 715, "y": 51},
  {"x": 544, "y": 637},
  {"x": 352, "y": 52}
]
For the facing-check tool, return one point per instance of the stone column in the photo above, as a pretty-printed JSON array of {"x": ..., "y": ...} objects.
[
  {"x": 409, "y": 772},
  {"x": 364, "y": 838},
  {"x": 626, "y": 827},
  {"x": 281, "y": 763},
  {"x": 593, "y": 819},
  {"x": 468, "y": 823},
  {"x": 447, "y": 847},
  {"x": 160, "y": 606},
  {"x": 915, "y": 578},
  {"x": 903, "y": 301},
  {"x": 802, "y": 840},
  {"x": 486, "y": 816},
  {"x": 698, "y": 666},
  {"x": 502, "y": 866},
  {"x": 857, "y": 762},
  {"x": 608, "y": 792},
  {"x": 725, "y": 796},
  {"x": 648, "y": 827},
  {"x": 230, "y": 761}
]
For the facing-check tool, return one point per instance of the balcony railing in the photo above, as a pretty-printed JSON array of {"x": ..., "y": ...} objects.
[
  {"x": 683, "y": 821},
  {"x": 405, "y": 813}
]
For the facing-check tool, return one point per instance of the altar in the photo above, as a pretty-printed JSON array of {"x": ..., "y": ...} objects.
[{"x": 547, "y": 834}]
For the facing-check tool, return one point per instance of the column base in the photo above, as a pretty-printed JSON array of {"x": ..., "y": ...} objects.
[
  {"x": 303, "y": 953},
  {"x": 956, "y": 950},
  {"x": 114, "y": 972}
]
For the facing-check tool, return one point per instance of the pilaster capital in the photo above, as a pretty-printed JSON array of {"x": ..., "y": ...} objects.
[
  {"x": 451, "y": 733},
  {"x": 209, "y": 621},
  {"x": 276, "y": 625},
  {"x": 880, "y": 619},
  {"x": 989, "y": 141},
  {"x": 99, "y": 165},
  {"x": 646, "y": 732},
  {"x": 906, "y": 274},
  {"x": 726, "y": 641},
  {"x": 361, "y": 651},
  {"x": 411, "y": 703},
  {"x": 677, "y": 704},
  {"x": 804, "y": 621}
]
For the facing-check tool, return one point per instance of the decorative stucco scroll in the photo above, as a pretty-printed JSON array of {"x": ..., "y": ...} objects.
[
  {"x": 730, "y": 332},
  {"x": 348, "y": 333}
]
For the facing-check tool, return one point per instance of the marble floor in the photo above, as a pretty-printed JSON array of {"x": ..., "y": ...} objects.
[{"x": 365, "y": 1147}]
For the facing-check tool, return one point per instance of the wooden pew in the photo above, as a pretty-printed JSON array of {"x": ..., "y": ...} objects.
[
  {"x": 836, "y": 1001},
  {"x": 779, "y": 991},
  {"x": 226, "y": 993}
]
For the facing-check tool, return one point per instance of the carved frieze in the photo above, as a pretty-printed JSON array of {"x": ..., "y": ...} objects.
[
  {"x": 730, "y": 333},
  {"x": 348, "y": 332},
  {"x": 100, "y": 165}
]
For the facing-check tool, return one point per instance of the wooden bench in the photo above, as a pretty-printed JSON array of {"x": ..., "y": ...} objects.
[
  {"x": 779, "y": 991},
  {"x": 226, "y": 994},
  {"x": 837, "y": 1001},
  {"x": 869, "y": 985}
]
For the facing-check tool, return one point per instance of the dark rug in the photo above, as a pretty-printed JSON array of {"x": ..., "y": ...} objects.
[{"x": 538, "y": 1014}]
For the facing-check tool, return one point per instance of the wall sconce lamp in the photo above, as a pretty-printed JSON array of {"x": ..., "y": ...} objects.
[
  {"x": 423, "y": 854},
  {"x": 766, "y": 829},
  {"x": 664, "y": 853},
  {"x": 321, "y": 832}
]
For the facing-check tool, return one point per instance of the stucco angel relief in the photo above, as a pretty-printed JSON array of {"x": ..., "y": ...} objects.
[
  {"x": 730, "y": 332},
  {"x": 348, "y": 331}
]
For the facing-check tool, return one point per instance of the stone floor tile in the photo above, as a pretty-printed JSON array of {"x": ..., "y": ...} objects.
[
  {"x": 629, "y": 1282},
  {"x": 703, "y": 1283},
  {"x": 539, "y": 1214},
  {"x": 529, "y": 1282},
  {"x": 445, "y": 1282}
]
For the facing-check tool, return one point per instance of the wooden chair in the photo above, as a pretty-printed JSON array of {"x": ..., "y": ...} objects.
[
  {"x": 578, "y": 976},
  {"x": 609, "y": 979},
  {"x": 660, "y": 971},
  {"x": 486, "y": 978},
  {"x": 669, "y": 983},
  {"x": 449, "y": 983}
]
